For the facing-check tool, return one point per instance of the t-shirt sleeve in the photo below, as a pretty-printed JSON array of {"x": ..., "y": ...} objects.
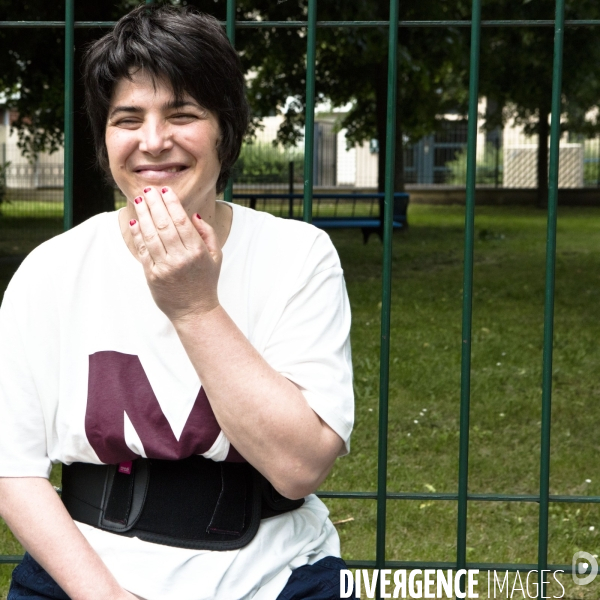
[
  {"x": 311, "y": 343},
  {"x": 23, "y": 451}
]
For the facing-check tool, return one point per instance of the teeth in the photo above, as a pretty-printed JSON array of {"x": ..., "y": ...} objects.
[{"x": 170, "y": 170}]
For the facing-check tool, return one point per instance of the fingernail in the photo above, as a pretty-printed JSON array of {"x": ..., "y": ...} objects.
[
  {"x": 198, "y": 216},
  {"x": 164, "y": 190},
  {"x": 132, "y": 222},
  {"x": 137, "y": 200},
  {"x": 146, "y": 190}
]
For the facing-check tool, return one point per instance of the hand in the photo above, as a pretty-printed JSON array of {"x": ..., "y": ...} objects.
[{"x": 181, "y": 257}]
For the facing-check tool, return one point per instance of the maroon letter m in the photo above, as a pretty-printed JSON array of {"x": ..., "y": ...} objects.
[{"x": 117, "y": 384}]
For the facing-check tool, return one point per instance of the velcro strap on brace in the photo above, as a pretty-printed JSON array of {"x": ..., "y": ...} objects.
[{"x": 191, "y": 503}]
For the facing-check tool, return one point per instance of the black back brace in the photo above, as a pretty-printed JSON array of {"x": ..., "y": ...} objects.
[{"x": 191, "y": 503}]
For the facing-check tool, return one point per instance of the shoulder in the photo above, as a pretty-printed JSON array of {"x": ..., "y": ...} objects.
[
  {"x": 300, "y": 244},
  {"x": 61, "y": 254}
]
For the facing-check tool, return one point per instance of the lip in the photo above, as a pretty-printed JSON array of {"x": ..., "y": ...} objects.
[{"x": 160, "y": 172}]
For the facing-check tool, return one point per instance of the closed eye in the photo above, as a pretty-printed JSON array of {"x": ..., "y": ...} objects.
[
  {"x": 184, "y": 117},
  {"x": 127, "y": 123}
]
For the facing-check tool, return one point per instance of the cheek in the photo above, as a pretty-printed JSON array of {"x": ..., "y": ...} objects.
[
  {"x": 209, "y": 136},
  {"x": 118, "y": 148}
]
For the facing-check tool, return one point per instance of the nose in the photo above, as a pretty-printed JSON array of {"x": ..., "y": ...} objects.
[{"x": 155, "y": 137}]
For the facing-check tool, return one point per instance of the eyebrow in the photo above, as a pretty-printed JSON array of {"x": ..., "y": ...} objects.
[{"x": 172, "y": 104}]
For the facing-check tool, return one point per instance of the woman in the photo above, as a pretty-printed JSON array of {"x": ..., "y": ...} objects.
[{"x": 198, "y": 349}]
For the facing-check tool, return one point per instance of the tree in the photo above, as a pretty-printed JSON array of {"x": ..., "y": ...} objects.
[
  {"x": 33, "y": 69},
  {"x": 32, "y": 77},
  {"x": 352, "y": 68},
  {"x": 516, "y": 72}
]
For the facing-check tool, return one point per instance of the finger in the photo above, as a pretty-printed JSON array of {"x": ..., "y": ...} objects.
[
  {"x": 162, "y": 222},
  {"x": 186, "y": 230},
  {"x": 209, "y": 237},
  {"x": 148, "y": 231},
  {"x": 140, "y": 244}
]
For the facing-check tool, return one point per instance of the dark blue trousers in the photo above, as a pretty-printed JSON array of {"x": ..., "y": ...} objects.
[{"x": 320, "y": 581}]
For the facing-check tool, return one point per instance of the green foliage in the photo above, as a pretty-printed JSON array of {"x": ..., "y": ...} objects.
[
  {"x": 517, "y": 63},
  {"x": 591, "y": 164},
  {"x": 267, "y": 163},
  {"x": 352, "y": 66},
  {"x": 32, "y": 68},
  {"x": 485, "y": 172},
  {"x": 31, "y": 75}
]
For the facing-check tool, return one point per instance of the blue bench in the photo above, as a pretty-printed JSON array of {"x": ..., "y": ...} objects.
[
  {"x": 368, "y": 224},
  {"x": 351, "y": 222}
]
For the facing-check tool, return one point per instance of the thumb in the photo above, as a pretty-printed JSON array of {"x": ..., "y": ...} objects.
[{"x": 208, "y": 235}]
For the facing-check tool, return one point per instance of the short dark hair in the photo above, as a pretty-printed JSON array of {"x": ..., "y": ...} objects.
[{"x": 182, "y": 46}]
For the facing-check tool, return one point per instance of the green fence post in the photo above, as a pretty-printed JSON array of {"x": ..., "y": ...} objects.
[
  {"x": 386, "y": 292},
  {"x": 467, "y": 309},
  {"x": 69, "y": 89},
  {"x": 230, "y": 23},
  {"x": 309, "y": 127},
  {"x": 559, "y": 26},
  {"x": 230, "y": 28}
]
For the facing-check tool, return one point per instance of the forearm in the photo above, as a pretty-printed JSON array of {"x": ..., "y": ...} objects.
[
  {"x": 263, "y": 414},
  {"x": 35, "y": 514}
]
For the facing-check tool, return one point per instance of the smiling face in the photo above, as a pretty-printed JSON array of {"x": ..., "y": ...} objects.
[{"x": 152, "y": 141}]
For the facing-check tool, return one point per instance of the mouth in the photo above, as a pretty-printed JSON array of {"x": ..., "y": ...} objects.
[{"x": 160, "y": 171}]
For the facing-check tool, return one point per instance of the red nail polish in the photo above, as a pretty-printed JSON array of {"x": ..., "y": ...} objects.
[
  {"x": 198, "y": 217},
  {"x": 164, "y": 190},
  {"x": 146, "y": 190},
  {"x": 132, "y": 222},
  {"x": 137, "y": 200}
]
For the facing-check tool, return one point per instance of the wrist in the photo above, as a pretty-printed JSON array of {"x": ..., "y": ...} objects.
[{"x": 198, "y": 317}]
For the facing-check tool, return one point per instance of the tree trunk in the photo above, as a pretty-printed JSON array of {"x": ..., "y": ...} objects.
[
  {"x": 542, "y": 158},
  {"x": 91, "y": 192},
  {"x": 381, "y": 118},
  {"x": 399, "y": 157}
]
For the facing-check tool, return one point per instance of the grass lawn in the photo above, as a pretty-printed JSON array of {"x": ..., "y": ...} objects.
[{"x": 425, "y": 384}]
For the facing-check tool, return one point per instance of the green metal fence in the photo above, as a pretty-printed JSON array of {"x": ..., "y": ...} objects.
[{"x": 462, "y": 496}]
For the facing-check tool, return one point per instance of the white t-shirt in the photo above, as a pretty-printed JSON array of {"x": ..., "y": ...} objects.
[{"x": 82, "y": 344}]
